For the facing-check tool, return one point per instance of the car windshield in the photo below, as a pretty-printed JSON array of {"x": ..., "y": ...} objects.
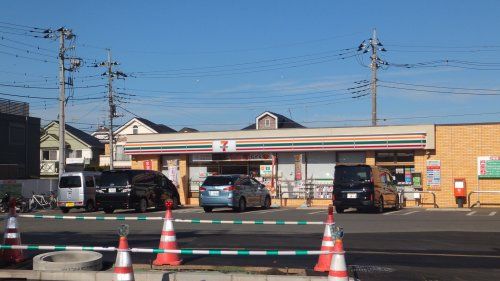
[
  {"x": 352, "y": 173},
  {"x": 114, "y": 179},
  {"x": 70, "y": 181},
  {"x": 218, "y": 181}
]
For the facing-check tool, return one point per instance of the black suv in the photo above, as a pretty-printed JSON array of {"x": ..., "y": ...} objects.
[
  {"x": 364, "y": 187},
  {"x": 135, "y": 189}
]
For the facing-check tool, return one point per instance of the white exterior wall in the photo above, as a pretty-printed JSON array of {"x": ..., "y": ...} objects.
[{"x": 129, "y": 130}]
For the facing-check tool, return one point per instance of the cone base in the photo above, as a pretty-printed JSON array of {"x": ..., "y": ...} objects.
[
  {"x": 319, "y": 268},
  {"x": 160, "y": 263}
]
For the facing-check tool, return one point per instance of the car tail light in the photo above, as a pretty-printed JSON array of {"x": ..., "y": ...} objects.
[
  {"x": 202, "y": 189},
  {"x": 371, "y": 197},
  {"x": 230, "y": 188},
  {"x": 333, "y": 197}
]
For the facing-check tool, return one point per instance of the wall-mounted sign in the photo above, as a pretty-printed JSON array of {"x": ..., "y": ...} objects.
[
  {"x": 488, "y": 167},
  {"x": 266, "y": 170},
  {"x": 433, "y": 169},
  {"x": 298, "y": 167},
  {"x": 224, "y": 146},
  {"x": 147, "y": 164}
]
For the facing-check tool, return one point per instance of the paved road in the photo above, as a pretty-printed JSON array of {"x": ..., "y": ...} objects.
[{"x": 411, "y": 244}]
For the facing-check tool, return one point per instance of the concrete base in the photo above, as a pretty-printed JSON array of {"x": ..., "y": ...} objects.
[
  {"x": 68, "y": 261},
  {"x": 148, "y": 276}
]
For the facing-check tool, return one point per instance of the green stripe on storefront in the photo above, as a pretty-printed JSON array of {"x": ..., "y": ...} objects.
[
  {"x": 167, "y": 147},
  {"x": 330, "y": 143}
]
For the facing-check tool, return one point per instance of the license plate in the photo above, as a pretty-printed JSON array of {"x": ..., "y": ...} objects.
[
  {"x": 70, "y": 204},
  {"x": 352, "y": 195},
  {"x": 111, "y": 190},
  {"x": 213, "y": 193}
]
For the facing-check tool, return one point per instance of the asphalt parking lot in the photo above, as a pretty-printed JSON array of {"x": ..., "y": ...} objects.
[{"x": 410, "y": 244}]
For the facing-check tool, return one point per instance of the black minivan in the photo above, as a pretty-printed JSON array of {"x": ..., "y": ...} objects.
[
  {"x": 135, "y": 189},
  {"x": 364, "y": 187}
]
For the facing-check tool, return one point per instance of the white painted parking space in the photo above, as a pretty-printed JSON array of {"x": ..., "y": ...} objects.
[
  {"x": 471, "y": 213},
  {"x": 318, "y": 212},
  {"x": 492, "y": 214},
  {"x": 409, "y": 213},
  {"x": 393, "y": 213},
  {"x": 268, "y": 211}
]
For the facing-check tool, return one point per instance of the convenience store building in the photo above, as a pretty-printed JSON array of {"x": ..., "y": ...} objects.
[{"x": 290, "y": 158}]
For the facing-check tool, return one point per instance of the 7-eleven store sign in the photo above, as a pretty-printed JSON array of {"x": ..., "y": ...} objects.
[{"x": 224, "y": 146}]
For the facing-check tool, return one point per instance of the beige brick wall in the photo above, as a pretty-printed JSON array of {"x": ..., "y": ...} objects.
[
  {"x": 138, "y": 161},
  {"x": 458, "y": 146},
  {"x": 262, "y": 123}
]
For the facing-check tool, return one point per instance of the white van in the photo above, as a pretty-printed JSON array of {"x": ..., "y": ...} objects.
[{"x": 77, "y": 190}]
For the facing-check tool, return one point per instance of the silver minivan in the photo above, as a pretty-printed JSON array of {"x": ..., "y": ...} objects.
[{"x": 77, "y": 190}]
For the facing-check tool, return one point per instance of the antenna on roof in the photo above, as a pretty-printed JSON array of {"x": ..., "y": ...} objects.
[{"x": 290, "y": 113}]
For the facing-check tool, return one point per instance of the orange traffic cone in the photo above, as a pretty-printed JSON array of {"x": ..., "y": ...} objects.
[
  {"x": 324, "y": 261},
  {"x": 168, "y": 241},
  {"x": 12, "y": 236},
  {"x": 338, "y": 268},
  {"x": 123, "y": 266}
]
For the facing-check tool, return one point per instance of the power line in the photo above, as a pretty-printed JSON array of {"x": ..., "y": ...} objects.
[
  {"x": 439, "y": 91},
  {"x": 46, "y": 98},
  {"x": 49, "y": 88},
  {"x": 441, "y": 87}
]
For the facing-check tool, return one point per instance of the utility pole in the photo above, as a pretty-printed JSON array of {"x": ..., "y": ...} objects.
[
  {"x": 112, "y": 110},
  {"x": 63, "y": 34},
  {"x": 374, "y": 46},
  {"x": 112, "y": 107},
  {"x": 374, "y": 67},
  {"x": 62, "y": 101}
]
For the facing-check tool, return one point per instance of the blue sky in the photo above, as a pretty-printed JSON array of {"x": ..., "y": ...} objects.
[{"x": 216, "y": 65}]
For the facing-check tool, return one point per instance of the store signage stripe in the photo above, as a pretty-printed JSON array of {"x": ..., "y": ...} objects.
[
  {"x": 299, "y": 139},
  {"x": 381, "y": 137},
  {"x": 329, "y": 143}
]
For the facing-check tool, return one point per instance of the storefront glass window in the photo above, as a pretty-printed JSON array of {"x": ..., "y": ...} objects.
[{"x": 351, "y": 157}]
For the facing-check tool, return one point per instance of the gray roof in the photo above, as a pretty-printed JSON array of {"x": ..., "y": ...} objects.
[
  {"x": 160, "y": 128},
  {"x": 283, "y": 123},
  {"x": 81, "y": 135}
]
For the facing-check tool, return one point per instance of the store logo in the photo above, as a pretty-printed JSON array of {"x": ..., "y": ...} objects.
[{"x": 224, "y": 146}]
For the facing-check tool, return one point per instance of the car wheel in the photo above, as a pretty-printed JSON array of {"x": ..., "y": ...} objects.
[
  {"x": 90, "y": 207},
  {"x": 242, "y": 205},
  {"x": 65, "y": 210},
  {"x": 380, "y": 208},
  {"x": 176, "y": 202},
  {"x": 339, "y": 210},
  {"x": 109, "y": 210},
  {"x": 267, "y": 203},
  {"x": 207, "y": 209},
  {"x": 142, "y": 206}
]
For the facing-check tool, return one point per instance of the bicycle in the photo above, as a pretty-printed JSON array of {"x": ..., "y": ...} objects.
[{"x": 41, "y": 201}]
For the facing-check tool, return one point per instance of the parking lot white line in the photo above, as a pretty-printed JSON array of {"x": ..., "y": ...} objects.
[
  {"x": 492, "y": 214},
  {"x": 318, "y": 212},
  {"x": 471, "y": 213},
  {"x": 392, "y": 213},
  {"x": 409, "y": 213}
]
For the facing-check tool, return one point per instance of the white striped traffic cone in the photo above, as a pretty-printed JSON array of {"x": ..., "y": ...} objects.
[
  {"x": 123, "y": 265},
  {"x": 12, "y": 236},
  {"x": 325, "y": 260},
  {"x": 338, "y": 268},
  {"x": 168, "y": 241}
]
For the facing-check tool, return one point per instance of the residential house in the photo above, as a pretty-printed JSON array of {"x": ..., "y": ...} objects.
[
  {"x": 136, "y": 126},
  {"x": 82, "y": 150},
  {"x": 272, "y": 121},
  {"x": 19, "y": 141}
]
